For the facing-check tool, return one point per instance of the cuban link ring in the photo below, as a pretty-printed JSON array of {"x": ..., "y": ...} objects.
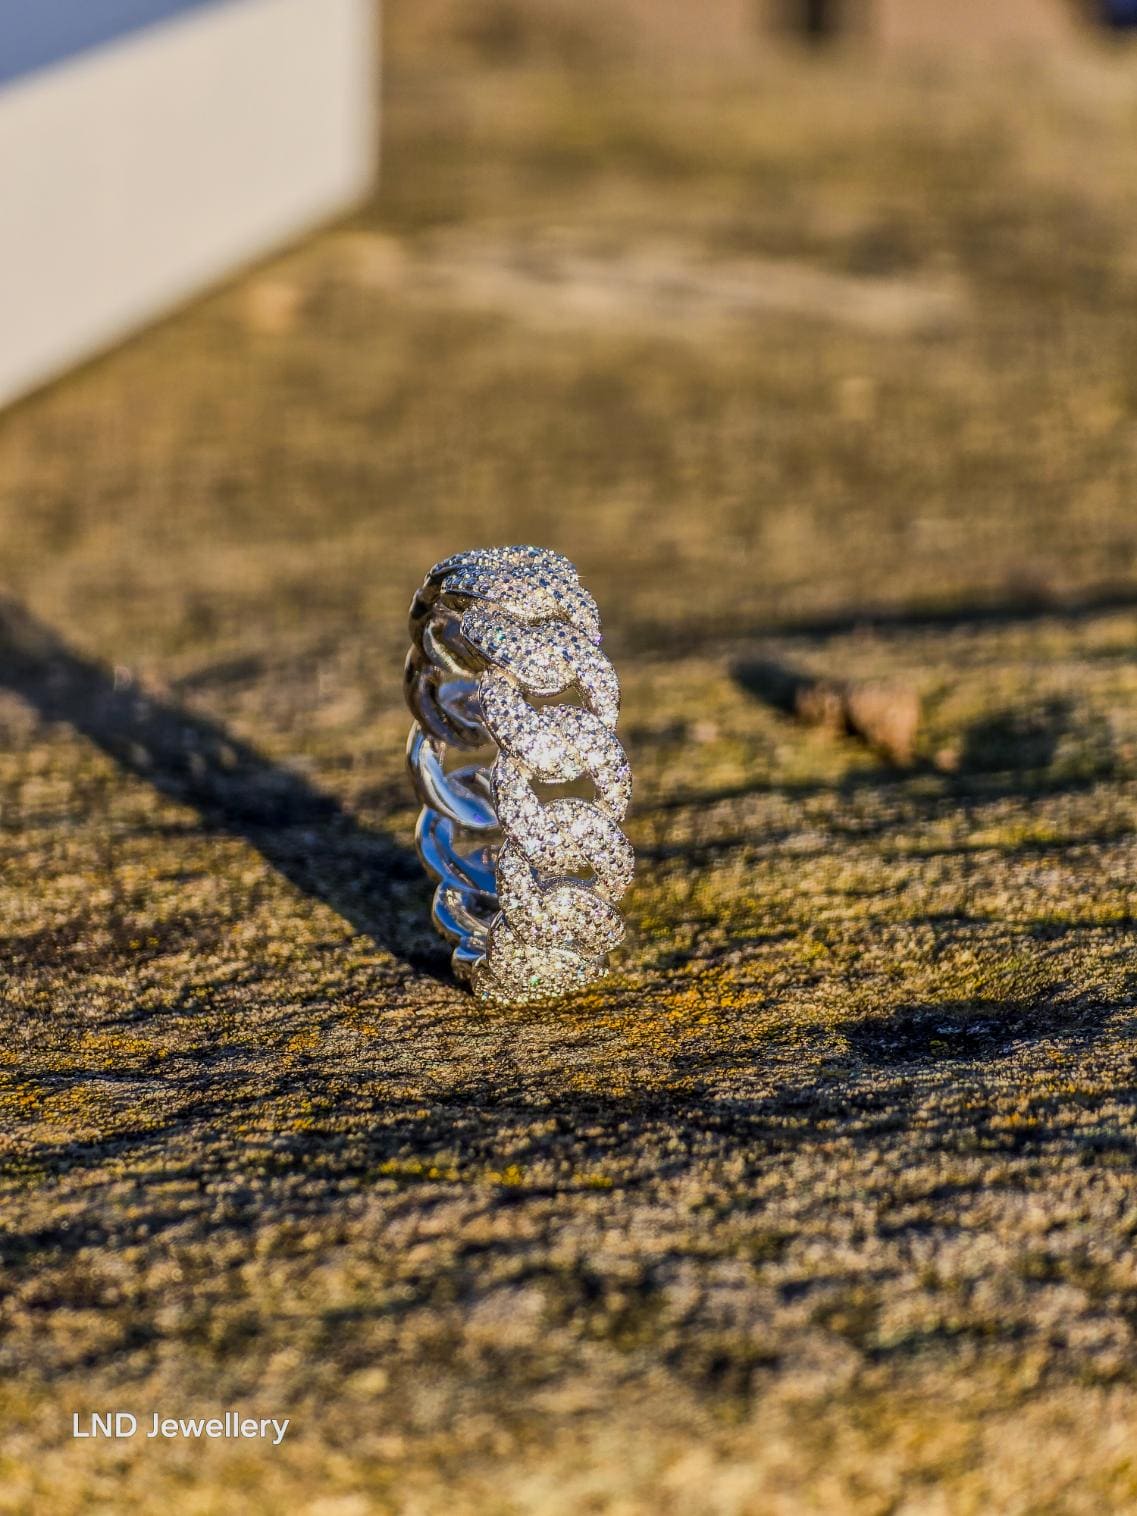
[{"x": 528, "y": 882}]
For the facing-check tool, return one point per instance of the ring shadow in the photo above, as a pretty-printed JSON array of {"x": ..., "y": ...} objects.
[{"x": 364, "y": 874}]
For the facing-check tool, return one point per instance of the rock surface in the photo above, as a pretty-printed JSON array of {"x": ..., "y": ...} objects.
[{"x": 825, "y": 1202}]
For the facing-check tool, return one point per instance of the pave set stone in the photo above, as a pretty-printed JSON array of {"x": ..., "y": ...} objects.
[
  {"x": 562, "y": 836},
  {"x": 532, "y": 584},
  {"x": 558, "y": 743},
  {"x": 545, "y": 659},
  {"x": 527, "y": 629}
]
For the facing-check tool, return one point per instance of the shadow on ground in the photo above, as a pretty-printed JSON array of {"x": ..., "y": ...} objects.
[{"x": 369, "y": 878}]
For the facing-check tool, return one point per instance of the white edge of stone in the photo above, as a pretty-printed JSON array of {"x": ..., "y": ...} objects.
[{"x": 137, "y": 174}]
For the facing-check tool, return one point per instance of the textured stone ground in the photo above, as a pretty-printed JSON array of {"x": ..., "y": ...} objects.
[{"x": 825, "y": 1203}]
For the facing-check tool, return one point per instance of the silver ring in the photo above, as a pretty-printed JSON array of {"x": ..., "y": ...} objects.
[{"x": 528, "y": 875}]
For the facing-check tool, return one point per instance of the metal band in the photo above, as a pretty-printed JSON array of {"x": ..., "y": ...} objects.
[{"x": 528, "y": 881}]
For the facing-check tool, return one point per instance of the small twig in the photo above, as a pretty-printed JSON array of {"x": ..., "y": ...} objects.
[{"x": 883, "y": 714}]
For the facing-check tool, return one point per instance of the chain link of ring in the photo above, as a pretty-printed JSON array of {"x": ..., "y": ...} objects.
[{"x": 505, "y": 651}]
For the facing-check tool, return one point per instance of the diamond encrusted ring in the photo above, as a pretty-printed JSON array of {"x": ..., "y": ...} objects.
[{"x": 528, "y": 875}]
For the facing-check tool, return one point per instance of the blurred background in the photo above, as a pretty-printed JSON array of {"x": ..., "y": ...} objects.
[{"x": 828, "y": 306}]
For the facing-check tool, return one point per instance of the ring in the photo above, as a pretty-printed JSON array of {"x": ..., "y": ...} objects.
[{"x": 528, "y": 871}]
